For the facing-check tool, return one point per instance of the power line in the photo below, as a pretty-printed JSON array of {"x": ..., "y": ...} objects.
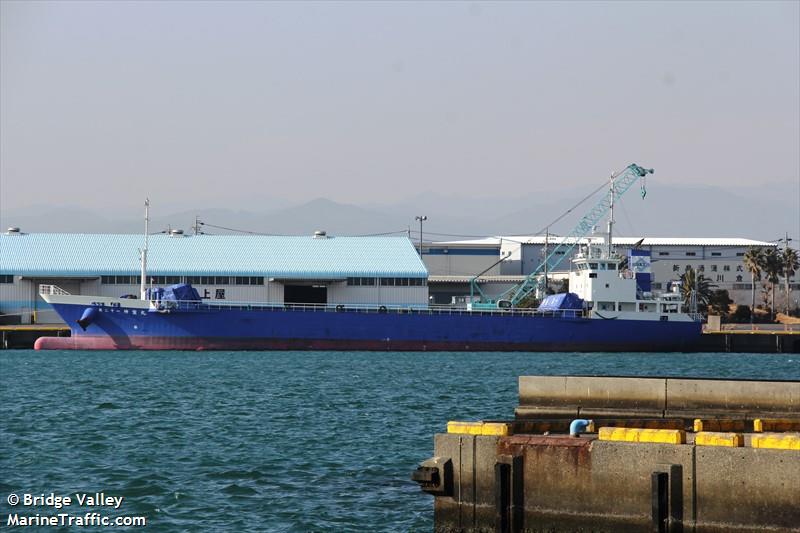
[
  {"x": 461, "y": 235},
  {"x": 235, "y": 229}
]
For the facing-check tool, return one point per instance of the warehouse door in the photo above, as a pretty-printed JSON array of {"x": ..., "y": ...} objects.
[{"x": 305, "y": 294}]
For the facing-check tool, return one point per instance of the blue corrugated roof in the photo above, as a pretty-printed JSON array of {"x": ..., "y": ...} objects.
[{"x": 69, "y": 254}]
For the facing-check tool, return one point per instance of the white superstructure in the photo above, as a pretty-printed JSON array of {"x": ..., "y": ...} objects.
[{"x": 610, "y": 289}]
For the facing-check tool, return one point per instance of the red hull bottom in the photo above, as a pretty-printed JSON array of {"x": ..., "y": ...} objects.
[{"x": 204, "y": 343}]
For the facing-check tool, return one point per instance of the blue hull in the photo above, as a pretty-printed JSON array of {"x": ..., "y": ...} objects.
[{"x": 277, "y": 328}]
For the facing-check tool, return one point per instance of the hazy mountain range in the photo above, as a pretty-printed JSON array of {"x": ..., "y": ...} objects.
[{"x": 764, "y": 212}]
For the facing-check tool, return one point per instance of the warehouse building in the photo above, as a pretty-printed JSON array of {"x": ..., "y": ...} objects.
[
  {"x": 451, "y": 266},
  {"x": 316, "y": 269},
  {"x": 721, "y": 260}
]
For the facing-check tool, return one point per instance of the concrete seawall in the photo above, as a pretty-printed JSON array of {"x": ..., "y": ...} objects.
[{"x": 583, "y": 397}]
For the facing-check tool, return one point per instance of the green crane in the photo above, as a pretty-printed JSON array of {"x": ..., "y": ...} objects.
[{"x": 620, "y": 182}]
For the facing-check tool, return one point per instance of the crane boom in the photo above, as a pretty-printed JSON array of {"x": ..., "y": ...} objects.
[{"x": 619, "y": 184}]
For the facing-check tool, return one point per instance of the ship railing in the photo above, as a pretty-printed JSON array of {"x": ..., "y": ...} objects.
[
  {"x": 52, "y": 290},
  {"x": 366, "y": 308}
]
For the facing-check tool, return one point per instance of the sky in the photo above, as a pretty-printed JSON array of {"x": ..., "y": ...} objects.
[{"x": 260, "y": 105}]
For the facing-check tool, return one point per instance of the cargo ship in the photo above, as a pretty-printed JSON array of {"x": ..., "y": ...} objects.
[
  {"x": 178, "y": 319},
  {"x": 610, "y": 308}
]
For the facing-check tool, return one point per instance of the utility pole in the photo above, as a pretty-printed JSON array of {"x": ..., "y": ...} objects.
[
  {"x": 421, "y": 219},
  {"x": 546, "y": 242},
  {"x": 786, "y": 240}
]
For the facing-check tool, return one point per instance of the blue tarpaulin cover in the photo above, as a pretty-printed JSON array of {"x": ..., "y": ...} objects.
[
  {"x": 182, "y": 292},
  {"x": 564, "y": 300}
]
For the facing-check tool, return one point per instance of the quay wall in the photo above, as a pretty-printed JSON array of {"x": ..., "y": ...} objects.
[
  {"x": 575, "y": 484},
  {"x": 659, "y": 454}
]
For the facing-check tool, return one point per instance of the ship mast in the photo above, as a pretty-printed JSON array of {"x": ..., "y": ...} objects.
[
  {"x": 143, "y": 251},
  {"x": 610, "y": 218}
]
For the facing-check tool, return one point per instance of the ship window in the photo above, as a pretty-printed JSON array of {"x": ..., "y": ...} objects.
[
  {"x": 691, "y": 253},
  {"x": 593, "y": 266},
  {"x": 612, "y": 266},
  {"x": 603, "y": 266},
  {"x": 222, "y": 280},
  {"x": 716, "y": 254},
  {"x": 739, "y": 254},
  {"x": 663, "y": 253},
  {"x": 592, "y": 274},
  {"x": 7, "y": 278}
]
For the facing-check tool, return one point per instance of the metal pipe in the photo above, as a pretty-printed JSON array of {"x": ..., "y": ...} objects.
[{"x": 578, "y": 426}]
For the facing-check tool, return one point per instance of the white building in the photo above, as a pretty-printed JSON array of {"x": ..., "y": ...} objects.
[{"x": 718, "y": 259}]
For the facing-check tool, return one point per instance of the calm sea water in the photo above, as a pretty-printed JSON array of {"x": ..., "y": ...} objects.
[{"x": 273, "y": 441}]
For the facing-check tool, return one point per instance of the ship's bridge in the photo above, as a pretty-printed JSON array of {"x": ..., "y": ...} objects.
[{"x": 610, "y": 283}]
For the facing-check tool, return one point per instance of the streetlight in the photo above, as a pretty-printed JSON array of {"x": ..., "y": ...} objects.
[
  {"x": 421, "y": 219},
  {"x": 786, "y": 240}
]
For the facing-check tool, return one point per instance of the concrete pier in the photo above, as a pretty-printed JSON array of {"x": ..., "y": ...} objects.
[
  {"x": 23, "y": 336},
  {"x": 749, "y": 341},
  {"x": 662, "y": 454}
]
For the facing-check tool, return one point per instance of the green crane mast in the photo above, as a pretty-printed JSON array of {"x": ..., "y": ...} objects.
[{"x": 620, "y": 182}]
